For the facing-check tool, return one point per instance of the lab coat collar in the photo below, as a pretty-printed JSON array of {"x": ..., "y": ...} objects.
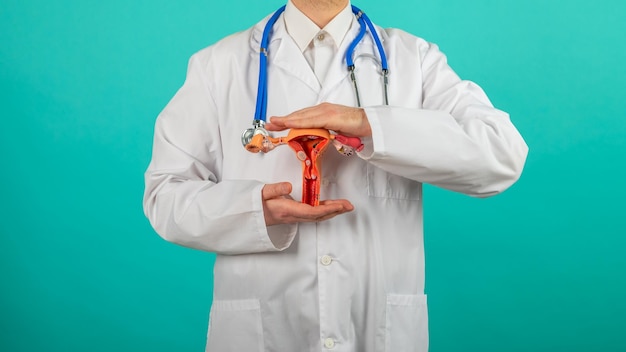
[
  {"x": 303, "y": 30},
  {"x": 284, "y": 53}
]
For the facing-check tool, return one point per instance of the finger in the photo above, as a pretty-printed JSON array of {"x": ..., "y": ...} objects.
[
  {"x": 328, "y": 216},
  {"x": 305, "y": 121},
  {"x": 286, "y": 210},
  {"x": 302, "y": 112},
  {"x": 276, "y": 123},
  {"x": 316, "y": 121},
  {"x": 344, "y": 202},
  {"x": 312, "y": 112},
  {"x": 325, "y": 115},
  {"x": 275, "y": 190},
  {"x": 271, "y": 126},
  {"x": 305, "y": 212}
]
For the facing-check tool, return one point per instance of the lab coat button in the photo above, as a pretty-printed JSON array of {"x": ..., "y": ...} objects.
[
  {"x": 329, "y": 343},
  {"x": 321, "y": 37},
  {"x": 326, "y": 260}
]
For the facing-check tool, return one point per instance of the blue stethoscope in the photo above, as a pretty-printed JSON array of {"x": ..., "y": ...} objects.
[{"x": 261, "y": 100}]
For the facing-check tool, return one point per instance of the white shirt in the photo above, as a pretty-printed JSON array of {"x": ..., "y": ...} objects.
[
  {"x": 354, "y": 283},
  {"x": 318, "y": 46}
]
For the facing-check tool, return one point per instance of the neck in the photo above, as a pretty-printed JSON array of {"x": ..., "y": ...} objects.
[{"x": 321, "y": 12}]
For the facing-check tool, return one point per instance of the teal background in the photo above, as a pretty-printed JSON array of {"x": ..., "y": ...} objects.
[{"x": 538, "y": 268}]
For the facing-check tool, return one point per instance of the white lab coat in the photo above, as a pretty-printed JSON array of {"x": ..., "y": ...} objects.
[{"x": 354, "y": 282}]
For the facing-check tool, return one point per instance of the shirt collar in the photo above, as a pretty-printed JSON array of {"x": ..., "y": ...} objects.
[{"x": 303, "y": 30}]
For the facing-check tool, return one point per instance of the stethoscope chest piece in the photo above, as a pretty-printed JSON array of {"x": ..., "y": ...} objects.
[
  {"x": 248, "y": 136},
  {"x": 256, "y": 138},
  {"x": 257, "y": 128},
  {"x": 308, "y": 144}
]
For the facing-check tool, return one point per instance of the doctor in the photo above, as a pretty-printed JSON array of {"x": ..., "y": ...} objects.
[{"x": 347, "y": 275}]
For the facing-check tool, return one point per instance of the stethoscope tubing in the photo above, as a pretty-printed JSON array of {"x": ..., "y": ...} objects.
[
  {"x": 364, "y": 21},
  {"x": 260, "y": 113},
  {"x": 261, "y": 102}
]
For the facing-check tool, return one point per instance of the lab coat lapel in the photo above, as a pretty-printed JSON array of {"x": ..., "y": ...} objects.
[
  {"x": 285, "y": 54},
  {"x": 339, "y": 71}
]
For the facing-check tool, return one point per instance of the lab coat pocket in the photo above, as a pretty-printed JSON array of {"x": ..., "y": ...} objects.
[
  {"x": 382, "y": 184},
  {"x": 235, "y": 325},
  {"x": 406, "y": 323}
]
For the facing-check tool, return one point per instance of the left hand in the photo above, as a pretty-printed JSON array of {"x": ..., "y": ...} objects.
[
  {"x": 280, "y": 208},
  {"x": 342, "y": 119}
]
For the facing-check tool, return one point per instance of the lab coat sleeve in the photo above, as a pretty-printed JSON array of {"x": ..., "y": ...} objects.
[
  {"x": 457, "y": 140},
  {"x": 185, "y": 199}
]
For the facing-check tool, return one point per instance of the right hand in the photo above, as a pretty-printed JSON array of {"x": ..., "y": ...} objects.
[{"x": 280, "y": 208}]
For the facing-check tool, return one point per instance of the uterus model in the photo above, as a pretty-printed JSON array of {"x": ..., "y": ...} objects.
[{"x": 309, "y": 146}]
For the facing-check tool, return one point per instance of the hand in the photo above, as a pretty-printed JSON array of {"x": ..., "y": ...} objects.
[
  {"x": 342, "y": 119},
  {"x": 280, "y": 208}
]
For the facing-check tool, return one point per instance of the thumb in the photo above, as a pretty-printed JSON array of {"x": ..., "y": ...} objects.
[{"x": 275, "y": 190}]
